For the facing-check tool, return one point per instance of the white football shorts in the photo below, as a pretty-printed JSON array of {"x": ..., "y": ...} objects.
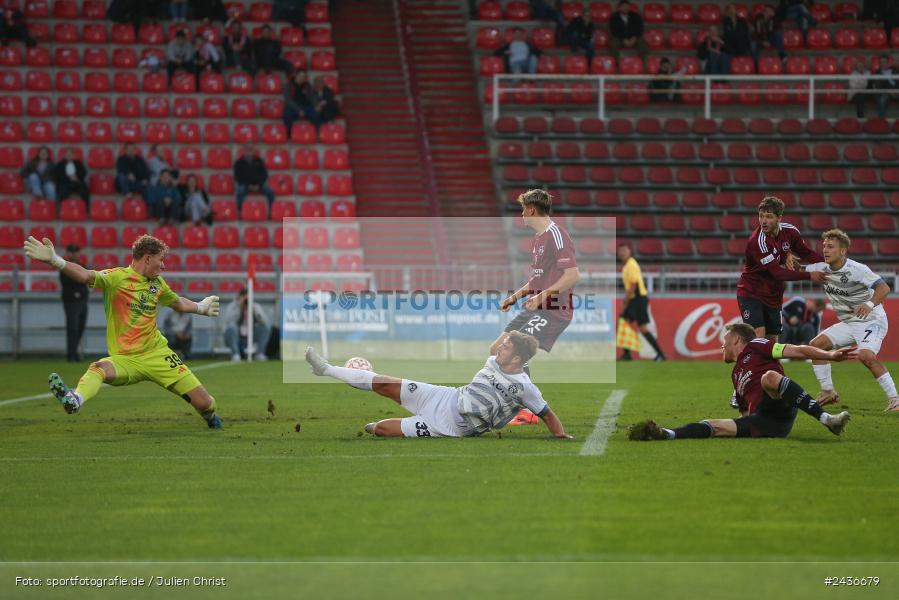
[
  {"x": 868, "y": 335},
  {"x": 433, "y": 408}
]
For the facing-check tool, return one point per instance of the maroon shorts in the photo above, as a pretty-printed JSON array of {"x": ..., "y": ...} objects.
[{"x": 544, "y": 325}]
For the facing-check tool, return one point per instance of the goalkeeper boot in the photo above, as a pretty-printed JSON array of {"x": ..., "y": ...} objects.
[
  {"x": 826, "y": 397},
  {"x": 71, "y": 400},
  {"x": 317, "y": 361},
  {"x": 837, "y": 423},
  {"x": 215, "y": 422}
]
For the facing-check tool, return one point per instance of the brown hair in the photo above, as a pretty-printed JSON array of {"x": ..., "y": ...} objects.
[
  {"x": 836, "y": 234},
  {"x": 743, "y": 330},
  {"x": 525, "y": 345},
  {"x": 772, "y": 204},
  {"x": 147, "y": 244},
  {"x": 539, "y": 198}
]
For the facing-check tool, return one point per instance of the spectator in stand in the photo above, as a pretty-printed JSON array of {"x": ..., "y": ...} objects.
[
  {"x": 237, "y": 47},
  {"x": 547, "y": 10},
  {"x": 858, "y": 82},
  {"x": 180, "y": 54},
  {"x": 664, "y": 88},
  {"x": 626, "y": 29},
  {"x": 206, "y": 57},
  {"x": 323, "y": 102},
  {"x": 579, "y": 35},
  {"x": 767, "y": 32},
  {"x": 250, "y": 175},
  {"x": 737, "y": 38},
  {"x": 237, "y": 327},
  {"x": 157, "y": 164},
  {"x": 196, "y": 202},
  {"x": 177, "y": 327},
  {"x": 132, "y": 175},
  {"x": 13, "y": 26},
  {"x": 209, "y": 10},
  {"x": 38, "y": 174},
  {"x": 74, "y": 303},
  {"x": 267, "y": 53},
  {"x": 292, "y": 11},
  {"x": 888, "y": 86},
  {"x": 71, "y": 178},
  {"x": 713, "y": 53},
  {"x": 802, "y": 319},
  {"x": 297, "y": 102},
  {"x": 797, "y": 10},
  {"x": 521, "y": 55},
  {"x": 178, "y": 10},
  {"x": 164, "y": 200}
]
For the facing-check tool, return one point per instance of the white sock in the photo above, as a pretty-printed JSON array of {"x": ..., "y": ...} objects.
[
  {"x": 669, "y": 433},
  {"x": 824, "y": 418},
  {"x": 357, "y": 378},
  {"x": 886, "y": 383},
  {"x": 822, "y": 372}
]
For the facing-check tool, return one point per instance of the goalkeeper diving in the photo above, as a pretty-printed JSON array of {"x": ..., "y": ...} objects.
[{"x": 137, "y": 350}]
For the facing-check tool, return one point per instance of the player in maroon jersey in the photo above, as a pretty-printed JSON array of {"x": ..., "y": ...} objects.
[
  {"x": 768, "y": 399},
  {"x": 761, "y": 287},
  {"x": 548, "y": 310}
]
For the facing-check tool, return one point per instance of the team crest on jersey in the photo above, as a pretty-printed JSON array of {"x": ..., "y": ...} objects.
[
  {"x": 746, "y": 315},
  {"x": 540, "y": 250},
  {"x": 412, "y": 386},
  {"x": 844, "y": 278},
  {"x": 513, "y": 389},
  {"x": 153, "y": 289},
  {"x": 748, "y": 358},
  {"x": 786, "y": 246}
]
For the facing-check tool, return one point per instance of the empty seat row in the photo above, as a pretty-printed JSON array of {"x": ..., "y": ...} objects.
[
  {"x": 131, "y": 82},
  {"x": 102, "y": 132},
  {"x": 655, "y": 12},
  {"x": 696, "y": 176},
  {"x": 725, "y": 201},
  {"x": 651, "y": 151},
  {"x": 677, "y": 126},
  {"x": 134, "y": 209},
  {"x": 680, "y": 248},
  {"x": 876, "y": 223},
  {"x": 258, "y": 12},
  {"x": 127, "y": 58},
  {"x": 190, "y": 236},
  {"x": 224, "y": 286}
]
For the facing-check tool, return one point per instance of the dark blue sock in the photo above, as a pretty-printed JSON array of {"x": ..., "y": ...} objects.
[
  {"x": 793, "y": 393},
  {"x": 693, "y": 430}
]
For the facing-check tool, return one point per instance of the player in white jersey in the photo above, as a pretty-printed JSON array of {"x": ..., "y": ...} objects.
[
  {"x": 856, "y": 294},
  {"x": 495, "y": 395}
]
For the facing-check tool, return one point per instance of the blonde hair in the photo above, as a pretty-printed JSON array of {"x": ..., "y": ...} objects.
[
  {"x": 836, "y": 234},
  {"x": 147, "y": 244},
  {"x": 525, "y": 345},
  {"x": 743, "y": 330}
]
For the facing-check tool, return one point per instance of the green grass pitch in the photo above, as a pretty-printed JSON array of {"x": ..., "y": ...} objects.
[{"x": 135, "y": 485}]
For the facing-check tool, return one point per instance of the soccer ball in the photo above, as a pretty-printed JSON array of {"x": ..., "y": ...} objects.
[{"x": 357, "y": 362}]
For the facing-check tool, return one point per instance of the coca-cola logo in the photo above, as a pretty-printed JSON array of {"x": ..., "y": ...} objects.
[{"x": 701, "y": 332}]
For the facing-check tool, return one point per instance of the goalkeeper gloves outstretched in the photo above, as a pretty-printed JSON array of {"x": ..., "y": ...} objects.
[
  {"x": 208, "y": 306},
  {"x": 43, "y": 252}
]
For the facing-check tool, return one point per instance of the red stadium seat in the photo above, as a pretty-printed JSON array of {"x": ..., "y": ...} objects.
[
  {"x": 874, "y": 38},
  {"x": 12, "y": 209},
  {"x": 224, "y": 211},
  {"x": 123, "y": 83},
  {"x": 198, "y": 262},
  {"x": 342, "y": 211},
  {"x": 93, "y": 9},
  {"x": 282, "y": 184},
  {"x": 276, "y": 159},
  {"x": 124, "y": 58},
  {"x": 819, "y": 39},
  {"x": 254, "y": 210},
  {"x": 100, "y": 158},
  {"x": 73, "y": 234},
  {"x": 134, "y": 209},
  {"x": 130, "y": 233},
  {"x": 169, "y": 235},
  {"x": 102, "y": 210},
  {"x": 10, "y": 81},
  {"x": 223, "y": 237},
  {"x": 847, "y": 39},
  {"x": 283, "y": 209},
  {"x": 309, "y": 185},
  {"x": 246, "y": 133},
  {"x": 332, "y": 133},
  {"x": 319, "y": 37},
  {"x": 220, "y": 184},
  {"x": 73, "y": 209},
  {"x": 108, "y": 260}
]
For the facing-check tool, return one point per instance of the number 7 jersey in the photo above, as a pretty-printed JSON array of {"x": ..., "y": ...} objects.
[{"x": 131, "y": 303}]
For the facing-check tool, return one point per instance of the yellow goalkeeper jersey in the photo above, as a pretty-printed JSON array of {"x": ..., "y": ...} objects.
[{"x": 130, "y": 301}]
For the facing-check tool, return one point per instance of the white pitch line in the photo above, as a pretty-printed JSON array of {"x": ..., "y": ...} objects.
[
  {"x": 595, "y": 445},
  {"x": 214, "y": 365},
  {"x": 87, "y": 459}
]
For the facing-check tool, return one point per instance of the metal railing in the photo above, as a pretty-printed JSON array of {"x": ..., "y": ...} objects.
[{"x": 708, "y": 91}]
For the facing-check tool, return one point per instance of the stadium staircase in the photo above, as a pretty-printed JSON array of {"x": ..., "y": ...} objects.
[{"x": 683, "y": 187}]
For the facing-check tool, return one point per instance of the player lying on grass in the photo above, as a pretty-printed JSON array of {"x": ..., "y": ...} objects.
[
  {"x": 137, "y": 350},
  {"x": 494, "y": 396},
  {"x": 768, "y": 400},
  {"x": 856, "y": 294}
]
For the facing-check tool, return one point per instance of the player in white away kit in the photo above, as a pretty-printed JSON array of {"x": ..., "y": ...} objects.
[
  {"x": 856, "y": 294},
  {"x": 492, "y": 399}
]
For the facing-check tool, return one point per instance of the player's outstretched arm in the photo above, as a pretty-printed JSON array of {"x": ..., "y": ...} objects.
[
  {"x": 44, "y": 252},
  {"x": 791, "y": 351},
  {"x": 555, "y": 425},
  {"x": 208, "y": 306}
]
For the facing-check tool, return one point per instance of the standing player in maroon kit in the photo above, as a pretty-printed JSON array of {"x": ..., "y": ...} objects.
[
  {"x": 761, "y": 288},
  {"x": 548, "y": 311},
  {"x": 768, "y": 399}
]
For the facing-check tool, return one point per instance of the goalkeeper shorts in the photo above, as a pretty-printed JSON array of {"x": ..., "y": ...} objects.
[{"x": 163, "y": 367}]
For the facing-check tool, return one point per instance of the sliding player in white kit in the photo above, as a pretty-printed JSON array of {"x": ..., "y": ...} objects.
[
  {"x": 856, "y": 294},
  {"x": 495, "y": 395}
]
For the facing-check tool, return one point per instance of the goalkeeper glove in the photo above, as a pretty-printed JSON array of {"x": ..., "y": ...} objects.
[
  {"x": 208, "y": 306},
  {"x": 43, "y": 252}
]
